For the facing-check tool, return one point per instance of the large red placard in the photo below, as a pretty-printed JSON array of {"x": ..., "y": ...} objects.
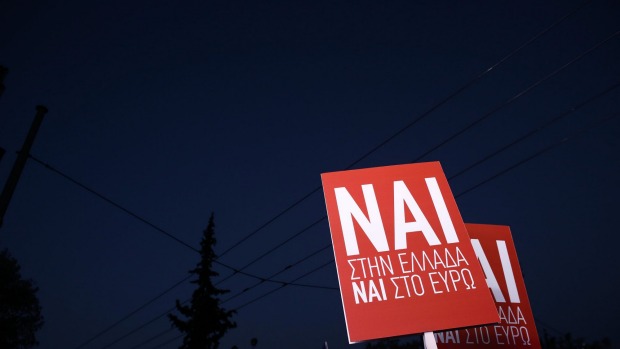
[{"x": 404, "y": 259}]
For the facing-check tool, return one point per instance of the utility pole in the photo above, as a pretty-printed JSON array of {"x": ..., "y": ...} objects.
[{"x": 20, "y": 162}]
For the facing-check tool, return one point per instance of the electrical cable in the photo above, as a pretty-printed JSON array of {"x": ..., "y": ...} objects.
[
  {"x": 269, "y": 292},
  {"x": 578, "y": 106},
  {"x": 147, "y": 341},
  {"x": 113, "y": 203},
  {"x": 107, "y": 329},
  {"x": 290, "y": 207},
  {"x": 167, "y": 342},
  {"x": 370, "y": 152},
  {"x": 308, "y": 227},
  {"x": 518, "y": 95},
  {"x": 142, "y": 326},
  {"x": 152, "y": 225},
  {"x": 538, "y": 129},
  {"x": 238, "y": 294},
  {"x": 537, "y": 154},
  {"x": 510, "y": 168},
  {"x": 547, "y": 124},
  {"x": 292, "y": 282},
  {"x": 463, "y": 130},
  {"x": 531, "y": 157},
  {"x": 281, "y": 271},
  {"x": 485, "y": 116},
  {"x": 574, "y": 135},
  {"x": 282, "y": 286},
  {"x": 436, "y": 106}
]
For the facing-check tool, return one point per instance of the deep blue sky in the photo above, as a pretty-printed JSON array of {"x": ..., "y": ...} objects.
[{"x": 177, "y": 110}]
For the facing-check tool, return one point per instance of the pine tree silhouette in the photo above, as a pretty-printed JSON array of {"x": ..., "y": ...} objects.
[
  {"x": 206, "y": 321},
  {"x": 20, "y": 312}
]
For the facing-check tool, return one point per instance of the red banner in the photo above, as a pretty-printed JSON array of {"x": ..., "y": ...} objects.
[
  {"x": 404, "y": 259},
  {"x": 498, "y": 257}
]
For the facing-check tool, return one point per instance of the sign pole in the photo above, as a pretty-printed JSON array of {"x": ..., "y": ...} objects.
[{"x": 429, "y": 341}]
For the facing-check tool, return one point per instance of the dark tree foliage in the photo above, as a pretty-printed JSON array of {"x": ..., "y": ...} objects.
[
  {"x": 547, "y": 342},
  {"x": 395, "y": 344},
  {"x": 568, "y": 342},
  {"x": 206, "y": 321},
  {"x": 20, "y": 312},
  {"x": 253, "y": 342}
]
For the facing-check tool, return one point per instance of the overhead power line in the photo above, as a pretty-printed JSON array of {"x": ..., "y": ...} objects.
[
  {"x": 308, "y": 227},
  {"x": 574, "y": 135},
  {"x": 112, "y": 202},
  {"x": 107, "y": 329},
  {"x": 260, "y": 281},
  {"x": 538, "y": 129},
  {"x": 544, "y": 150},
  {"x": 287, "y": 267},
  {"x": 292, "y": 283},
  {"x": 420, "y": 117},
  {"x": 460, "y": 132},
  {"x": 153, "y": 338},
  {"x": 135, "y": 330},
  {"x": 517, "y": 96},
  {"x": 312, "y": 254},
  {"x": 400, "y": 131},
  {"x": 152, "y": 225},
  {"x": 539, "y": 153},
  {"x": 502, "y": 149},
  {"x": 283, "y": 283},
  {"x": 573, "y": 109},
  {"x": 167, "y": 342}
]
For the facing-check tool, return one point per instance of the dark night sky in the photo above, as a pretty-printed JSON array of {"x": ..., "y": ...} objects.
[{"x": 176, "y": 110}]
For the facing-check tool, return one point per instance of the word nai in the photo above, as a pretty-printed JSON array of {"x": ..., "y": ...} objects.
[
  {"x": 509, "y": 276},
  {"x": 373, "y": 224}
]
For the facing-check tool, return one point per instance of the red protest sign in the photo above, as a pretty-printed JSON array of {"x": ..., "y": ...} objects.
[
  {"x": 404, "y": 259},
  {"x": 496, "y": 252}
]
